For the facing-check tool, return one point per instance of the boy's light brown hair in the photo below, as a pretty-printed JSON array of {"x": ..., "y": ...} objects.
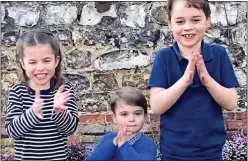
[
  {"x": 130, "y": 96},
  {"x": 199, "y": 4}
]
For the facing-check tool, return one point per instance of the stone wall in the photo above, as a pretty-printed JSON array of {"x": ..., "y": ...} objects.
[{"x": 107, "y": 45}]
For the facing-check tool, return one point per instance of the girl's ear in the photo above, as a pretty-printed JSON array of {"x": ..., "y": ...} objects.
[
  {"x": 57, "y": 59},
  {"x": 22, "y": 64}
]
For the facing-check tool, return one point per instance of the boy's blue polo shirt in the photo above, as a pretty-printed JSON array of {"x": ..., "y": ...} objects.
[{"x": 193, "y": 128}]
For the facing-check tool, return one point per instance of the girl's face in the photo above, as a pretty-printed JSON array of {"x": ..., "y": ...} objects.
[{"x": 39, "y": 63}]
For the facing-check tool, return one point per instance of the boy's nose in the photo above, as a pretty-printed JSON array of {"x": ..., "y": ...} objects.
[
  {"x": 187, "y": 26},
  {"x": 131, "y": 118}
]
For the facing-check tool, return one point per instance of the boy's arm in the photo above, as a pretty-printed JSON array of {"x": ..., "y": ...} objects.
[
  {"x": 18, "y": 122},
  {"x": 159, "y": 90},
  {"x": 104, "y": 150},
  {"x": 225, "y": 97},
  {"x": 224, "y": 93},
  {"x": 67, "y": 121},
  {"x": 148, "y": 152}
]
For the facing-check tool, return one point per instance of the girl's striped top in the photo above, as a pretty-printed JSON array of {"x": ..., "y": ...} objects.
[{"x": 34, "y": 138}]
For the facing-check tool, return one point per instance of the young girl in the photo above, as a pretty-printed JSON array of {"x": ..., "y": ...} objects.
[
  {"x": 41, "y": 110},
  {"x": 129, "y": 106}
]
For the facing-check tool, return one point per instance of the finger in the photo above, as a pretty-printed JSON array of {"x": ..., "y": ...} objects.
[
  {"x": 63, "y": 107},
  {"x": 61, "y": 88},
  {"x": 37, "y": 94},
  {"x": 124, "y": 130},
  {"x": 191, "y": 75},
  {"x": 65, "y": 95}
]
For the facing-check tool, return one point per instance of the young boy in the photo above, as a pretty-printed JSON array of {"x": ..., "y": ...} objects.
[
  {"x": 190, "y": 84},
  {"x": 129, "y": 108}
]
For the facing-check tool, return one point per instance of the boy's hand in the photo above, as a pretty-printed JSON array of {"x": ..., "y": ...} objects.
[
  {"x": 60, "y": 99},
  {"x": 38, "y": 105},
  {"x": 122, "y": 136},
  {"x": 201, "y": 69},
  {"x": 189, "y": 72}
]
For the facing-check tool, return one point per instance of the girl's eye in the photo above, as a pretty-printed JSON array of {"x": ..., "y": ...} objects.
[
  {"x": 179, "y": 22},
  {"x": 138, "y": 114},
  {"x": 31, "y": 62}
]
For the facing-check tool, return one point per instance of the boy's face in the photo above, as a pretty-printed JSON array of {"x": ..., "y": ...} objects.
[
  {"x": 187, "y": 24},
  {"x": 133, "y": 117}
]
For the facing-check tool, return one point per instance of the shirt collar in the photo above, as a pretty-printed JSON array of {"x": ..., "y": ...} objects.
[
  {"x": 135, "y": 138},
  {"x": 206, "y": 51}
]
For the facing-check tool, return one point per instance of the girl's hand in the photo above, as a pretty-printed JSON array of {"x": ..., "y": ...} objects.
[
  {"x": 38, "y": 105},
  {"x": 60, "y": 99}
]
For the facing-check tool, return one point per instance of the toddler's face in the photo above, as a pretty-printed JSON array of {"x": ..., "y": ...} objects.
[{"x": 133, "y": 117}]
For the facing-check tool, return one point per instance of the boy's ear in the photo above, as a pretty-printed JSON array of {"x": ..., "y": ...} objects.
[
  {"x": 208, "y": 23},
  {"x": 169, "y": 23},
  {"x": 114, "y": 118}
]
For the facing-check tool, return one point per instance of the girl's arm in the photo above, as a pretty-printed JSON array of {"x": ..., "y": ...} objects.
[
  {"x": 67, "y": 121},
  {"x": 18, "y": 122},
  {"x": 105, "y": 149},
  {"x": 148, "y": 151}
]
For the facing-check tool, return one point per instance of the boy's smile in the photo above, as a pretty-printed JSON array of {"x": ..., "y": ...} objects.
[{"x": 188, "y": 25}]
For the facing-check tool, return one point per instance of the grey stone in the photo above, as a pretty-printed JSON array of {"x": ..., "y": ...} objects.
[
  {"x": 79, "y": 82},
  {"x": 78, "y": 59},
  {"x": 10, "y": 38},
  {"x": 91, "y": 129},
  {"x": 158, "y": 15},
  {"x": 224, "y": 15},
  {"x": 239, "y": 35},
  {"x": 93, "y": 101},
  {"x": 102, "y": 6},
  {"x": 148, "y": 38},
  {"x": 241, "y": 77},
  {"x": 135, "y": 80},
  {"x": 60, "y": 15},
  {"x": 4, "y": 61},
  {"x": 135, "y": 16},
  {"x": 24, "y": 16},
  {"x": 242, "y": 12},
  {"x": 2, "y": 11},
  {"x": 90, "y": 16},
  {"x": 121, "y": 59},
  {"x": 104, "y": 81}
]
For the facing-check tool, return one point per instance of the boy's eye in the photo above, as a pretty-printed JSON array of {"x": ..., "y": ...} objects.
[
  {"x": 32, "y": 62},
  {"x": 47, "y": 61},
  {"x": 196, "y": 20},
  {"x": 123, "y": 114},
  {"x": 139, "y": 113}
]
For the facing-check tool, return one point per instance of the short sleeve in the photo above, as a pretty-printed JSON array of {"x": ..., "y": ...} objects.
[
  {"x": 158, "y": 77},
  {"x": 228, "y": 77}
]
